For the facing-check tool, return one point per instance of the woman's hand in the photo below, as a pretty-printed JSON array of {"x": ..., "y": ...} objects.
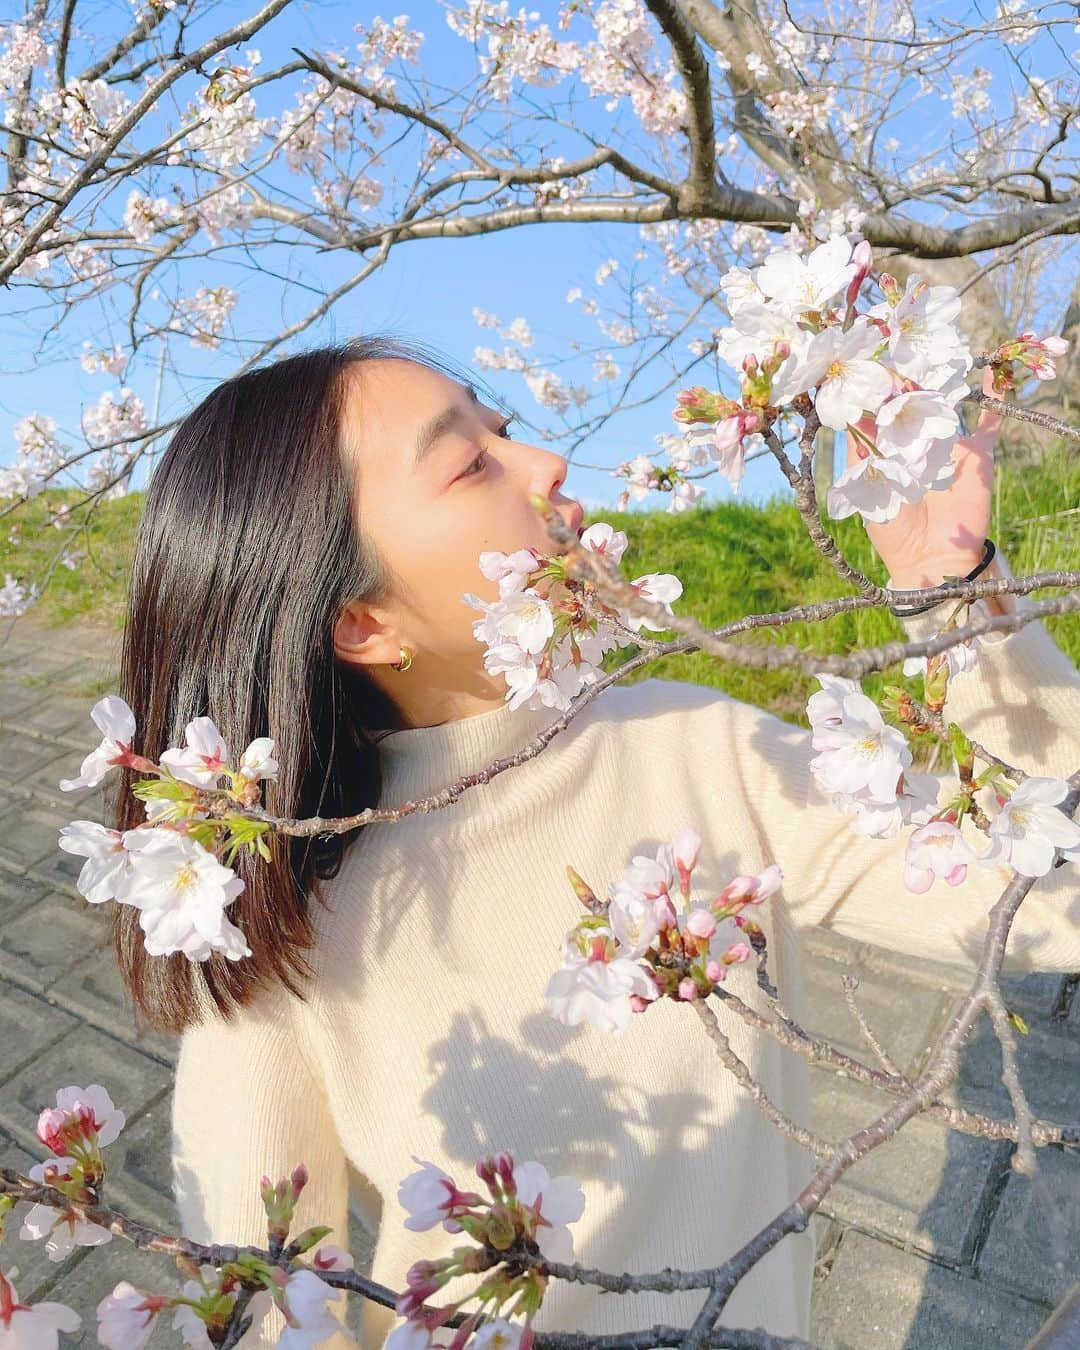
[{"x": 945, "y": 532}]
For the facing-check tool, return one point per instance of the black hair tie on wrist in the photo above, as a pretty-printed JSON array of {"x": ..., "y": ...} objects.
[{"x": 906, "y": 611}]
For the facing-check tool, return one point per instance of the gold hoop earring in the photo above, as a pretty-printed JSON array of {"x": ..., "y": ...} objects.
[{"x": 405, "y": 661}]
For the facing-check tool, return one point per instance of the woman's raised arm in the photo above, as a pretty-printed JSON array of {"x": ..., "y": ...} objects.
[{"x": 1021, "y": 702}]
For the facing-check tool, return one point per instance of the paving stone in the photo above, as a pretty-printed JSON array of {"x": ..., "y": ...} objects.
[
  {"x": 17, "y": 893},
  {"x": 21, "y": 755},
  {"x": 15, "y": 699},
  {"x": 903, "y": 968},
  {"x": 824, "y": 943},
  {"x": 877, "y": 1297},
  {"x": 15, "y": 658},
  {"x": 28, "y": 1025},
  {"x": 80, "y": 804},
  {"x": 47, "y": 939},
  {"x": 1036, "y": 993},
  {"x": 86, "y": 1056},
  {"x": 1049, "y": 1071},
  {"x": 906, "y": 1038},
  {"x": 53, "y": 714},
  {"x": 29, "y": 835},
  {"x": 69, "y": 652},
  {"x": 924, "y": 1187},
  {"x": 1034, "y": 1241},
  {"x": 94, "y": 989},
  {"x": 139, "y": 1161}
]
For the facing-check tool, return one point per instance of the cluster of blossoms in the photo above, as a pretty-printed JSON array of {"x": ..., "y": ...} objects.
[
  {"x": 635, "y": 946},
  {"x": 865, "y": 767},
  {"x": 643, "y": 476},
  {"x": 169, "y": 868},
  {"x": 548, "y": 644},
  {"x": 529, "y": 1212},
  {"x": 798, "y": 339},
  {"x": 15, "y": 598},
  {"x": 75, "y": 1130},
  {"x": 1028, "y": 353}
]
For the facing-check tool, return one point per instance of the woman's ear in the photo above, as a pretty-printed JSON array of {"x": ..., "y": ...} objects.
[{"x": 365, "y": 635}]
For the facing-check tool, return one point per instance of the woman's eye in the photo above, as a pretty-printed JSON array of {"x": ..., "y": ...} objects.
[
  {"x": 477, "y": 466},
  {"x": 503, "y": 429}
]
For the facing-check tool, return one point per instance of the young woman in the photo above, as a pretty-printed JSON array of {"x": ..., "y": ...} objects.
[{"x": 305, "y": 545}]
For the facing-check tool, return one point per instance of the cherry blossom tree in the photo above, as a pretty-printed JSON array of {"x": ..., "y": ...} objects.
[{"x": 129, "y": 164}]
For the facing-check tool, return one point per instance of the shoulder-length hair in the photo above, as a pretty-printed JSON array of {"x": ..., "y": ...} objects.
[{"x": 248, "y": 547}]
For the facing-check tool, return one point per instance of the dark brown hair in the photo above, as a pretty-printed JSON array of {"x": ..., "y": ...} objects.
[{"x": 247, "y": 549}]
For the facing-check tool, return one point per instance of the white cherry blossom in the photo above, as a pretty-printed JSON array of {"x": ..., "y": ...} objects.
[
  {"x": 510, "y": 570},
  {"x": 25, "y": 1326},
  {"x": 409, "y": 1335},
  {"x": 661, "y": 588},
  {"x": 603, "y": 538},
  {"x": 257, "y": 761},
  {"x": 115, "y": 720},
  {"x": 561, "y": 1202},
  {"x": 182, "y": 891},
  {"x": 812, "y": 282},
  {"x": 1029, "y": 828},
  {"x": 598, "y": 992},
  {"x": 499, "y": 1334},
  {"x": 849, "y": 381},
  {"x": 906, "y": 423},
  {"x": 108, "y": 863},
  {"x": 85, "y": 1113},
  {"x": 431, "y": 1196},
  {"x": 936, "y": 850},
  {"x": 634, "y": 922},
  {"x": 203, "y": 759},
  {"x": 309, "y": 1320},
  {"x": 857, "y": 750},
  {"x": 61, "y": 1234},
  {"x": 126, "y": 1317}
]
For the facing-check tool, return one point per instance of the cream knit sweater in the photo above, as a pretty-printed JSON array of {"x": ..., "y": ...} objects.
[{"x": 426, "y": 1033}]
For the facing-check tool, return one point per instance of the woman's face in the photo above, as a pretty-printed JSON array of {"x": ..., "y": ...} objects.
[{"x": 439, "y": 479}]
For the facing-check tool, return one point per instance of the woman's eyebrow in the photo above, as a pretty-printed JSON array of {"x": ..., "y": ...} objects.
[{"x": 439, "y": 425}]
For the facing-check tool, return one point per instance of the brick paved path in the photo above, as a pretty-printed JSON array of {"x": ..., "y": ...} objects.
[{"x": 931, "y": 1244}]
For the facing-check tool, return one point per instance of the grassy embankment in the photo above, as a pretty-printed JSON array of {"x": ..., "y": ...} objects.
[{"x": 733, "y": 558}]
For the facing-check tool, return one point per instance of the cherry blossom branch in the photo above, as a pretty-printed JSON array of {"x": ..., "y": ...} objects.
[
  {"x": 941, "y": 1069},
  {"x": 813, "y": 1143},
  {"x": 694, "y": 70},
  {"x": 240, "y": 32},
  {"x": 822, "y": 1055},
  {"x": 1020, "y": 414},
  {"x": 850, "y": 983}
]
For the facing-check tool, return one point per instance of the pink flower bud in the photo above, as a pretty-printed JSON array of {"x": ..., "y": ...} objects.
[
  {"x": 504, "y": 1165},
  {"x": 739, "y": 952},
  {"x": 688, "y": 989},
  {"x": 702, "y": 924},
  {"x": 665, "y": 912},
  {"x": 863, "y": 258},
  {"x": 714, "y": 971}
]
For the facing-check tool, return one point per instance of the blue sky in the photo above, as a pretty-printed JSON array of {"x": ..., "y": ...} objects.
[{"x": 426, "y": 291}]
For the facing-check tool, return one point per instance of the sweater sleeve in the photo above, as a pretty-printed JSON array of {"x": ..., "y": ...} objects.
[
  {"x": 1021, "y": 702},
  {"x": 247, "y": 1103}
]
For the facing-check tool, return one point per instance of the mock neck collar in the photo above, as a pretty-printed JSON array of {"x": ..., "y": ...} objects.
[{"x": 417, "y": 761}]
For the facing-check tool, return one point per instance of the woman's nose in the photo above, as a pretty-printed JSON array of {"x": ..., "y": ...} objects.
[{"x": 550, "y": 473}]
